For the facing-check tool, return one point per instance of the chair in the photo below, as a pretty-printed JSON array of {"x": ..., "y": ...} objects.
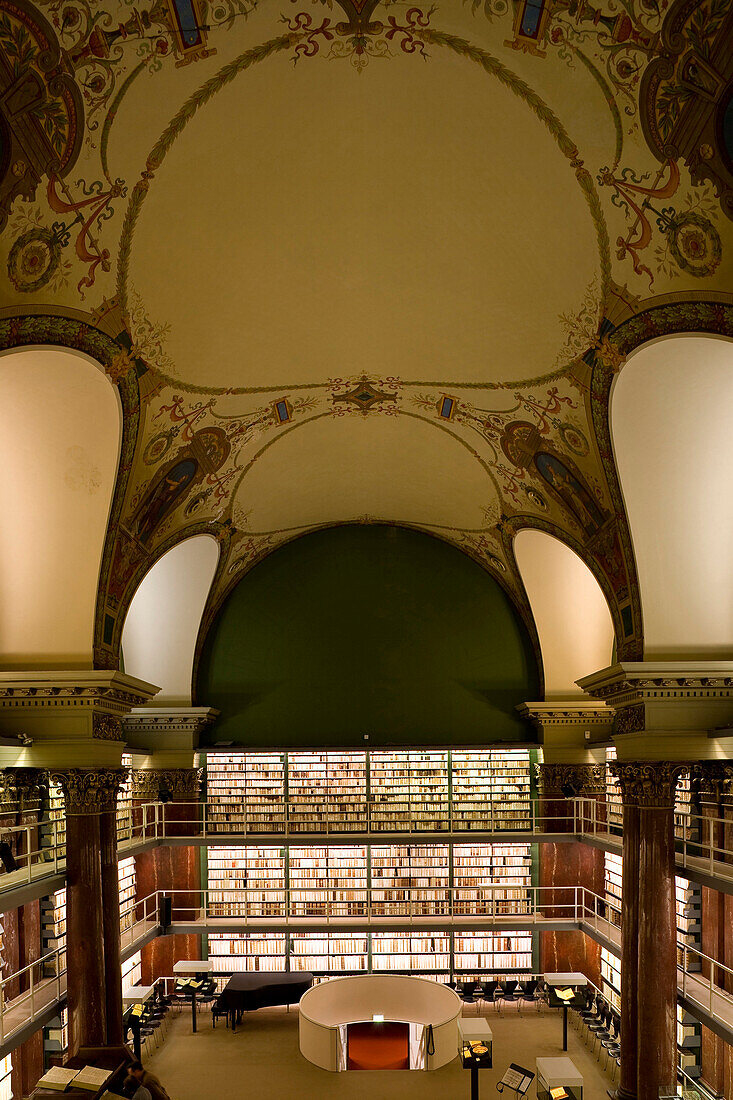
[
  {"x": 529, "y": 994},
  {"x": 218, "y": 1009},
  {"x": 511, "y": 992},
  {"x": 489, "y": 991},
  {"x": 467, "y": 992}
]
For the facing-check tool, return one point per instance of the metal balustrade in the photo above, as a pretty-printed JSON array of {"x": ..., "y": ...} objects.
[{"x": 30, "y": 992}]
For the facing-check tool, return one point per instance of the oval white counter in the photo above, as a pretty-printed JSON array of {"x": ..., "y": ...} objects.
[{"x": 327, "y": 1008}]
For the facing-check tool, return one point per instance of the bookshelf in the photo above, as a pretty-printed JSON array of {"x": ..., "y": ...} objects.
[
  {"x": 329, "y": 881},
  {"x": 56, "y": 1037},
  {"x": 688, "y": 906},
  {"x": 126, "y": 875},
  {"x": 6, "y": 1069},
  {"x": 379, "y": 791},
  {"x": 611, "y": 978},
  {"x": 613, "y": 796},
  {"x": 410, "y": 878},
  {"x": 321, "y": 953},
  {"x": 612, "y": 879},
  {"x": 255, "y": 952},
  {"x": 326, "y": 788},
  {"x": 491, "y": 791},
  {"x": 492, "y": 879},
  {"x": 124, "y": 803},
  {"x": 132, "y": 970},
  {"x": 55, "y": 814},
  {"x": 412, "y": 952},
  {"x": 504, "y": 953},
  {"x": 53, "y": 926},
  {"x": 259, "y": 871}
]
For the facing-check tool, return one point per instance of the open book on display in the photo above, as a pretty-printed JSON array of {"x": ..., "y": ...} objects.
[{"x": 57, "y": 1078}]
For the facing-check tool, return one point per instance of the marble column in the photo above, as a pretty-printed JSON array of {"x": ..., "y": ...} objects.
[
  {"x": 629, "y": 936},
  {"x": 651, "y": 787},
  {"x": 173, "y": 869},
  {"x": 111, "y": 913},
  {"x": 566, "y": 866},
  {"x": 89, "y": 794}
]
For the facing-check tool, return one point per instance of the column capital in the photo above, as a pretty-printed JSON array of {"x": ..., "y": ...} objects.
[
  {"x": 665, "y": 708},
  {"x": 182, "y": 784},
  {"x": 23, "y": 785},
  {"x": 713, "y": 777},
  {"x": 90, "y": 790},
  {"x": 68, "y": 717},
  {"x": 648, "y": 785},
  {"x": 583, "y": 779}
]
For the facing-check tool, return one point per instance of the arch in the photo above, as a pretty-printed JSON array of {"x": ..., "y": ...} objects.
[
  {"x": 673, "y": 446},
  {"x": 162, "y": 622},
  {"x": 572, "y": 616},
  {"x": 60, "y": 444}
]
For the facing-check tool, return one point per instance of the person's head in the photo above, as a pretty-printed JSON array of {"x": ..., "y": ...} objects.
[{"x": 136, "y": 1070}]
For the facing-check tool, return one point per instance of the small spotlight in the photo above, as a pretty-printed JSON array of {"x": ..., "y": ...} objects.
[{"x": 377, "y": 1018}]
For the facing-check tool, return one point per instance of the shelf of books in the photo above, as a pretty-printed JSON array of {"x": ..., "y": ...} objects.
[
  {"x": 53, "y": 829},
  {"x": 412, "y": 952},
  {"x": 502, "y": 953},
  {"x": 327, "y": 788},
  {"x": 380, "y": 791},
  {"x": 613, "y": 796},
  {"x": 6, "y": 1069},
  {"x": 132, "y": 971},
  {"x": 342, "y": 953},
  {"x": 689, "y": 1043},
  {"x": 328, "y": 881},
  {"x": 126, "y": 874},
  {"x": 265, "y": 952},
  {"x": 53, "y": 927},
  {"x": 492, "y": 879},
  {"x": 246, "y": 792},
  {"x": 56, "y": 1037},
  {"x": 124, "y": 803},
  {"x": 491, "y": 790},
  {"x": 410, "y": 878},
  {"x": 612, "y": 879},
  {"x": 408, "y": 791},
  {"x": 685, "y": 826},
  {"x": 688, "y": 907},
  {"x": 259, "y": 871},
  {"x": 611, "y": 978}
]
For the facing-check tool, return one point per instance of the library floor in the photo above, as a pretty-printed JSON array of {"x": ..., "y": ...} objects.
[{"x": 261, "y": 1061}]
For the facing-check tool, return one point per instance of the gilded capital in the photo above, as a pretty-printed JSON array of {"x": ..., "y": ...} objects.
[
  {"x": 649, "y": 785},
  {"x": 713, "y": 778},
  {"x": 23, "y": 786},
  {"x": 183, "y": 784},
  {"x": 90, "y": 790},
  {"x": 582, "y": 779}
]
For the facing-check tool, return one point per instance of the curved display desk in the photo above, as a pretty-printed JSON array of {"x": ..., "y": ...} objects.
[{"x": 327, "y": 1009}]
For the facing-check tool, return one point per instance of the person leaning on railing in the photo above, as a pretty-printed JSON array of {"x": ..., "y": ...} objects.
[{"x": 148, "y": 1085}]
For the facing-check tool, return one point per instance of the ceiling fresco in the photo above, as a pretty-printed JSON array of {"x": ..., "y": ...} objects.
[{"x": 365, "y": 262}]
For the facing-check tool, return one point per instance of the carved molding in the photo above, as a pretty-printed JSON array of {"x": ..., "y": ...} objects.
[
  {"x": 189, "y": 720},
  {"x": 565, "y": 714},
  {"x": 109, "y": 693},
  {"x": 648, "y": 785},
  {"x": 106, "y": 727},
  {"x": 183, "y": 784},
  {"x": 634, "y": 682},
  {"x": 629, "y": 719},
  {"x": 90, "y": 790},
  {"x": 23, "y": 786},
  {"x": 585, "y": 779},
  {"x": 713, "y": 777}
]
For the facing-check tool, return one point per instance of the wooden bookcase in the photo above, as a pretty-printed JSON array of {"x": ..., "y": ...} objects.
[
  {"x": 258, "y": 871},
  {"x": 492, "y": 879},
  {"x": 502, "y": 954},
  {"x": 328, "y": 881},
  {"x": 410, "y": 878},
  {"x": 264, "y": 951},
  {"x": 126, "y": 874}
]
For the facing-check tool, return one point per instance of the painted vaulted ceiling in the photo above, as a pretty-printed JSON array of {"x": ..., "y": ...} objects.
[{"x": 364, "y": 262}]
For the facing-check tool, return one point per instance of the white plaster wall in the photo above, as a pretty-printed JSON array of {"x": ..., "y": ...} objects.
[
  {"x": 159, "y": 635},
  {"x": 569, "y": 608},
  {"x": 672, "y": 430},
  {"x": 60, "y": 434}
]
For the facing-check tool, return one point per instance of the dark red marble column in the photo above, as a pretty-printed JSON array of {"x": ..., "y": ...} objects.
[
  {"x": 629, "y": 954},
  {"x": 657, "y": 999},
  {"x": 111, "y": 925},
  {"x": 88, "y": 793},
  {"x": 171, "y": 869},
  {"x": 566, "y": 866}
]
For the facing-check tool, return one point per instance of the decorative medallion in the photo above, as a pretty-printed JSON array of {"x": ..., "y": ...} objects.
[
  {"x": 33, "y": 259},
  {"x": 364, "y": 396},
  {"x": 574, "y": 439},
  {"x": 695, "y": 243}
]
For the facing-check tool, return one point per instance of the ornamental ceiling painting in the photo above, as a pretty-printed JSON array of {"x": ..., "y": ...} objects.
[{"x": 365, "y": 262}]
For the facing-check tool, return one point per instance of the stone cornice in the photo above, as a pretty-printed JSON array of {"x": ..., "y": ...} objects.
[
  {"x": 648, "y": 785},
  {"x": 631, "y": 681},
  {"x": 567, "y": 713},
  {"x": 585, "y": 779},
  {"x": 102, "y": 696},
  {"x": 189, "y": 720},
  {"x": 90, "y": 790}
]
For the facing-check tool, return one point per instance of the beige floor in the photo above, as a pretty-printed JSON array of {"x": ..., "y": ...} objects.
[{"x": 262, "y": 1062}]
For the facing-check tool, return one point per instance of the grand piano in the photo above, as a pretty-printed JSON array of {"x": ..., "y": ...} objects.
[{"x": 246, "y": 992}]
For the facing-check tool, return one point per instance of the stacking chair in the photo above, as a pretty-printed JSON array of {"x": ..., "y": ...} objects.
[
  {"x": 612, "y": 1045},
  {"x": 467, "y": 991},
  {"x": 489, "y": 993},
  {"x": 510, "y": 992},
  {"x": 529, "y": 994},
  {"x": 601, "y": 1029}
]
